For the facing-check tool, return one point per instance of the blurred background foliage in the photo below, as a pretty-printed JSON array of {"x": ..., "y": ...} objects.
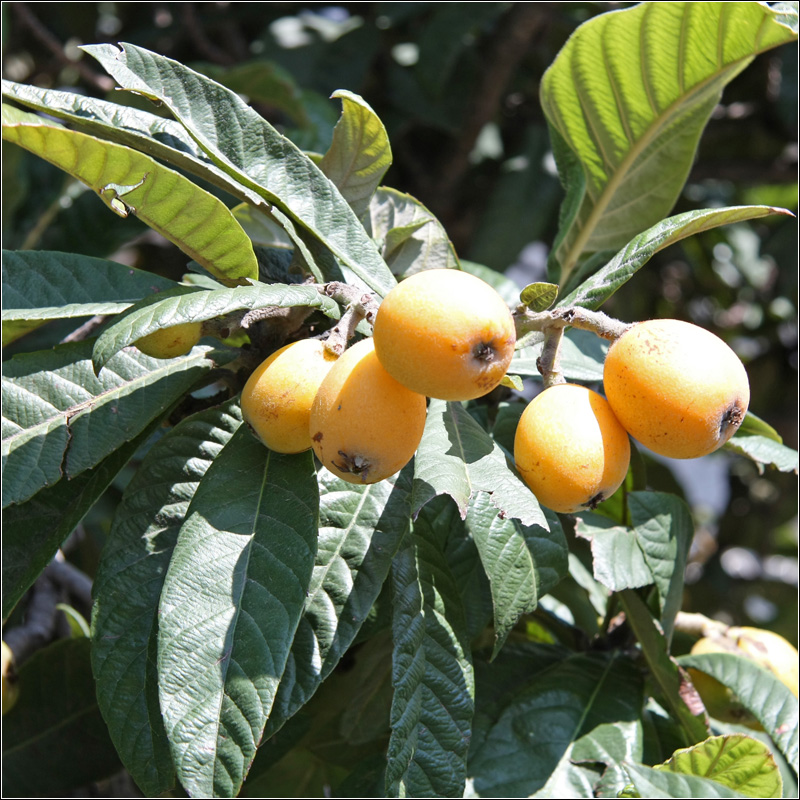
[{"x": 456, "y": 85}]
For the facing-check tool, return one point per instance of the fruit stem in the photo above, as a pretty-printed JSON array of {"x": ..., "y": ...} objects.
[
  {"x": 573, "y": 316},
  {"x": 698, "y": 625},
  {"x": 358, "y": 306},
  {"x": 548, "y": 362}
]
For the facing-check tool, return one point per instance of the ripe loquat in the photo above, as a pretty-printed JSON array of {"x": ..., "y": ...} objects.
[
  {"x": 177, "y": 340},
  {"x": 277, "y": 398},
  {"x": 677, "y": 388},
  {"x": 570, "y": 449},
  {"x": 445, "y": 334},
  {"x": 365, "y": 426}
]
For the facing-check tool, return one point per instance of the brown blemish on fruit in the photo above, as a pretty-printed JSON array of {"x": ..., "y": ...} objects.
[
  {"x": 732, "y": 418},
  {"x": 354, "y": 464},
  {"x": 317, "y": 437}
]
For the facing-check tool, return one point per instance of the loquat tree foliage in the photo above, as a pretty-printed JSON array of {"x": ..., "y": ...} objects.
[{"x": 263, "y": 627}]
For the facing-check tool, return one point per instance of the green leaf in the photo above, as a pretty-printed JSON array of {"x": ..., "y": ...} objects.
[
  {"x": 522, "y": 562},
  {"x": 190, "y": 304},
  {"x": 359, "y": 154},
  {"x": 128, "y": 586},
  {"x": 43, "y": 285},
  {"x": 755, "y": 426},
  {"x": 539, "y": 296},
  {"x": 54, "y": 739},
  {"x": 563, "y": 703},
  {"x": 434, "y": 687},
  {"x": 249, "y": 149},
  {"x": 411, "y": 238},
  {"x": 360, "y": 530},
  {"x": 129, "y": 182},
  {"x": 649, "y": 782},
  {"x": 737, "y": 761},
  {"x": 60, "y": 419},
  {"x": 457, "y": 457},
  {"x": 628, "y": 97},
  {"x": 664, "y": 670},
  {"x": 764, "y": 450},
  {"x": 594, "y": 291},
  {"x": 617, "y": 558},
  {"x": 611, "y": 745},
  {"x": 664, "y": 528},
  {"x": 760, "y": 692},
  {"x": 582, "y": 355},
  {"x": 231, "y": 602},
  {"x": 34, "y": 530}
]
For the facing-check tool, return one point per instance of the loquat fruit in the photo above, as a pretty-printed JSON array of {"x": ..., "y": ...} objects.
[
  {"x": 177, "y": 340},
  {"x": 676, "y": 387},
  {"x": 570, "y": 449},
  {"x": 445, "y": 334},
  {"x": 277, "y": 398},
  {"x": 365, "y": 426}
]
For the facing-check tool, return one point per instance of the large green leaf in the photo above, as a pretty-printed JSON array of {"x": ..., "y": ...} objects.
[
  {"x": 129, "y": 182},
  {"x": 190, "y": 304},
  {"x": 359, "y": 154},
  {"x": 34, "y": 530},
  {"x": 457, "y": 457},
  {"x": 253, "y": 152},
  {"x": 594, "y": 291},
  {"x": 610, "y": 745},
  {"x": 60, "y": 419},
  {"x": 54, "y": 739},
  {"x": 737, "y": 761},
  {"x": 522, "y": 562},
  {"x": 41, "y": 285},
  {"x": 128, "y": 586},
  {"x": 231, "y": 602},
  {"x": 627, "y": 100},
  {"x": 764, "y": 451},
  {"x": 760, "y": 692},
  {"x": 434, "y": 687},
  {"x": 360, "y": 529},
  {"x": 563, "y": 703}
]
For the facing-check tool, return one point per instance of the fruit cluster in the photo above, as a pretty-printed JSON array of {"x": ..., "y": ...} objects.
[{"x": 676, "y": 388}]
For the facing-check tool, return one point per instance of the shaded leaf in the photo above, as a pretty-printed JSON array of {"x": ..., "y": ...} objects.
[
  {"x": 129, "y": 182},
  {"x": 60, "y": 419},
  {"x": 250, "y": 150},
  {"x": 610, "y": 745},
  {"x": 760, "y": 692},
  {"x": 34, "y": 530},
  {"x": 755, "y": 426},
  {"x": 594, "y": 291},
  {"x": 360, "y": 529},
  {"x": 664, "y": 528},
  {"x": 190, "y": 304},
  {"x": 664, "y": 670},
  {"x": 128, "y": 586},
  {"x": 432, "y": 674},
  {"x": 359, "y": 154},
  {"x": 54, "y": 739},
  {"x": 617, "y": 558},
  {"x": 45, "y": 285},
  {"x": 564, "y": 702},
  {"x": 628, "y": 97},
  {"x": 737, "y": 761},
  {"x": 411, "y": 239},
  {"x": 457, "y": 457},
  {"x": 231, "y": 602},
  {"x": 522, "y": 562}
]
